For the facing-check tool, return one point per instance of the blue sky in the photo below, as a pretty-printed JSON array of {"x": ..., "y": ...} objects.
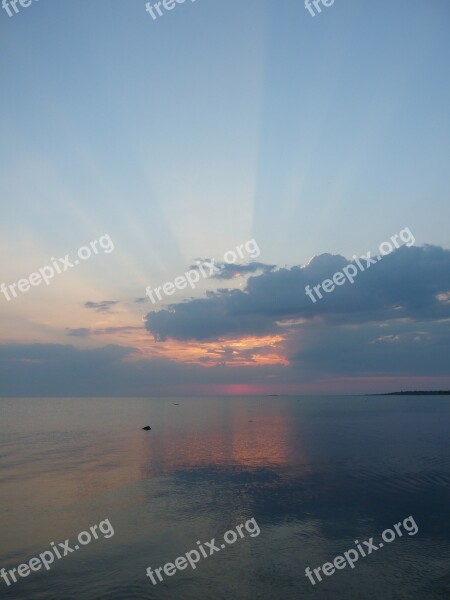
[{"x": 219, "y": 122}]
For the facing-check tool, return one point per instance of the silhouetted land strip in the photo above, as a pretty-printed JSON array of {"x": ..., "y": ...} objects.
[{"x": 415, "y": 393}]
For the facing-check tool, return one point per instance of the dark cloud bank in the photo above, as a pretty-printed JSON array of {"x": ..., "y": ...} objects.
[{"x": 404, "y": 285}]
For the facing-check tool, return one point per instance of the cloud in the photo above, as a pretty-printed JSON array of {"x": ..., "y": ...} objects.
[
  {"x": 395, "y": 348},
  {"x": 79, "y": 332},
  {"x": 389, "y": 330},
  {"x": 86, "y": 331},
  {"x": 231, "y": 271},
  {"x": 324, "y": 361},
  {"x": 410, "y": 283},
  {"x": 103, "y": 306},
  {"x": 63, "y": 370}
]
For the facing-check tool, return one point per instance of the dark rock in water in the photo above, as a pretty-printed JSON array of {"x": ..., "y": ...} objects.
[
  {"x": 147, "y": 428},
  {"x": 175, "y": 404}
]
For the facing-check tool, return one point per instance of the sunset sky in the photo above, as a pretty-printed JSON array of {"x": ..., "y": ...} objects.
[{"x": 185, "y": 137}]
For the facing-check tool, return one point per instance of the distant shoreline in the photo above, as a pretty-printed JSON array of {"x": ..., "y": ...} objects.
[{"x": 415, "y": 393}]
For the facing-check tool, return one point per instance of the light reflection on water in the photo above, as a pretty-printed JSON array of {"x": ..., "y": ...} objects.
[{"x": 316, "y": 473}]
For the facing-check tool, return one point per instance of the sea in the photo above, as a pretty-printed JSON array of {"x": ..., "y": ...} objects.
[{"x": 318, "y": 475}]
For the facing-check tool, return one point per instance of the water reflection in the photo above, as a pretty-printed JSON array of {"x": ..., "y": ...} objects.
[
  {"x": 230, "y": 440},
  {"x": 316, "y": 474}
]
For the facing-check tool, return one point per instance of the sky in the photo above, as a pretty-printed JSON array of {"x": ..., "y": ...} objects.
[{"x": 303, "y": 140}]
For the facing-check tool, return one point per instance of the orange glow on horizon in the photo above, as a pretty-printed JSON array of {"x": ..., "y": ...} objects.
[{"x": 246, "y": 351}]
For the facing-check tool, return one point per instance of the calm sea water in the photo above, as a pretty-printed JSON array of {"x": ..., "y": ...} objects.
[{"x": 316, "y": 474}]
